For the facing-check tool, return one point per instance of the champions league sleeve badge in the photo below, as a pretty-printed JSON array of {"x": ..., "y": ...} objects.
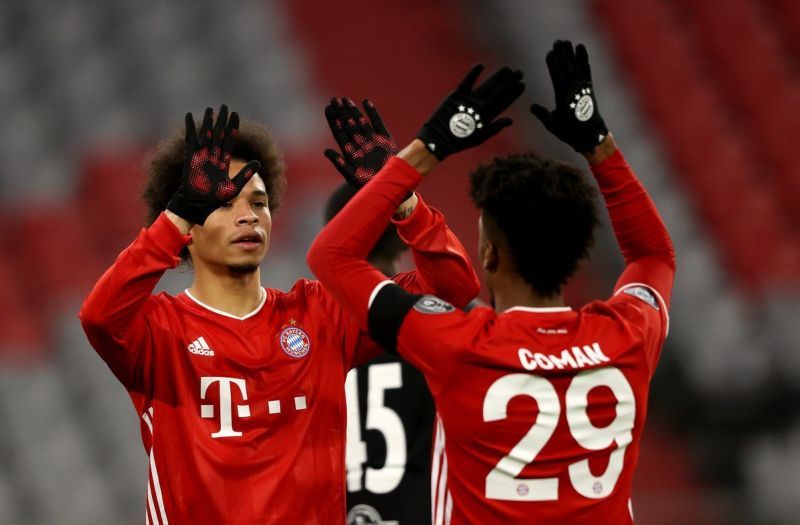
[
  {"x": 429, "y": 304},
  {"x": 643, "y": 293},
  {"x": 294, "y": 340}
]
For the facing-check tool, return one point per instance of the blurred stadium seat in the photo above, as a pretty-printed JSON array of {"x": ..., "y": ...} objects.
[{"x": 702, "y": 94}]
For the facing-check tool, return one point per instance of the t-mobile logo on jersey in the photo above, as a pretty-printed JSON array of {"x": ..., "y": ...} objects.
[{"x": 225, "y": 404}]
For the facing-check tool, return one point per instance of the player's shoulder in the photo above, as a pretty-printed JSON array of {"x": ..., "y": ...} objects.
[
  {"x": 632, "y": 303},
  {"x": 300, "y": 288},
  {"x": 304, "y": 292},
  {"x": 163, "y": 301},
  {"x": 432, "y": 305},
  {"x": 431, "y": 310},
  {"x": 432, "y": 322},
  {"x": 164, "y": 308}
]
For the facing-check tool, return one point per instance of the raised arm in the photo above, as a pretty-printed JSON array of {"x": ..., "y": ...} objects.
[
  {"x": 113, "y": 315},
  {"x": 641, "y": 234},
  {"x": 643, "y": 239},
  {"x": 465, "y": 119},
  {"x": 442, "y": 265}
]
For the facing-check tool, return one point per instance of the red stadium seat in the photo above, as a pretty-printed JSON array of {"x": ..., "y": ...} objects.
[
  {"x": 58, "y": 251},
  {"x": 110, "y": 190},
  {"x": 21, "y": 334},
  {"x": 717, "y": 84}
]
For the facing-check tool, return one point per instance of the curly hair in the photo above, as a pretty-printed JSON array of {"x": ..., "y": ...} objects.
[
  {"x": 543, "y": 211},
  {"x": 164, "y": 168}
]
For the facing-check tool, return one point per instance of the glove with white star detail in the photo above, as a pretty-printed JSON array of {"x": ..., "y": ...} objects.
[
  {"x": 576, "y": 119},
  {"x": 365, "y": 143},
  {"x": 466, "y": 116},
  {"x": 205, "y": 185}
]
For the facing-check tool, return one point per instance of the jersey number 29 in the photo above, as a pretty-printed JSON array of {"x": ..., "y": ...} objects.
[{"x": 502, "y": 482}]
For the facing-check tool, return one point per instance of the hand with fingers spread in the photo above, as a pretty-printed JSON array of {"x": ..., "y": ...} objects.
[
  {"x": 466, "y": 117},
  {"x": 365, "y": 143},
  {"x": 576, "y": 119},
  {"x": 205, "y": 184}
]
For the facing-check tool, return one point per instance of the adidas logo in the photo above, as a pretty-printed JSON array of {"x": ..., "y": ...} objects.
[{"x": 200, "y": 347}]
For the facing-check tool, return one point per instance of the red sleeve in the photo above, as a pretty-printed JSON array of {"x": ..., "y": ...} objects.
[
  {"x": 644, "y": 316},
  {"x": 443, "y": 267},
  {"x": 113, "y": 315},
  {"x": 338, "y": 256},
  {"x": 434, "y": 336},
  {"x": 641, "y": 234}
]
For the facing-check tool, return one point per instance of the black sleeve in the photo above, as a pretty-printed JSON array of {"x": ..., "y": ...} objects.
[{"x": 386, "y": 315}]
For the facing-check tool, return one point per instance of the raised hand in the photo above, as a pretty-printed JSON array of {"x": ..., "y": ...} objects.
[
  {"x": 576, "y": 119},
  {"x": 466, "y": 117},
  {"x": 365, "y": 143},
  {"x": 205, "y": 184}
]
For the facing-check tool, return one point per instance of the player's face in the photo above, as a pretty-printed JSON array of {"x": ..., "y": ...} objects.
[{"x": 236, "y": 235}]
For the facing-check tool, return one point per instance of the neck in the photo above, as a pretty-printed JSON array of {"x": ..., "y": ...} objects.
[
  {"x": 512, "y": 290},
  {"x": 233, "y": 293}
]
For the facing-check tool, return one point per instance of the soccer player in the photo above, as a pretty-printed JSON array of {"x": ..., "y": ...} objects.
[
  {"x": 390, "y": 416},
  {"x": 240, "y": 388},
  {"x": 389, "y": 409},
  {"x": 541, "y": 406}
]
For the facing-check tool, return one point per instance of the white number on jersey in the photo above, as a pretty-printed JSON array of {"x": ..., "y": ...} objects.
[
  {"x": 380, "y": 377},
  {"x": 502, "y": 482}
]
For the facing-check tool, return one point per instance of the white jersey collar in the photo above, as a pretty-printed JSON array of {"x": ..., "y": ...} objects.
[
  {"x": 539, "y": 309},
  {"x": 226, "y": 314}
]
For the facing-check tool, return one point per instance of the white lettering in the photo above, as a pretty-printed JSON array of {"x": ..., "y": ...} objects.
[
  {"x": 225, "y": 404},
  {"x": 526, "y": 359},
  {"x": 564, "y": 360},
  {"x": 573, "y": 357},
  {"x": 543, "y": 361},
  {"x": 595, "y": 354},
  {"x": 581, "y": 359}
]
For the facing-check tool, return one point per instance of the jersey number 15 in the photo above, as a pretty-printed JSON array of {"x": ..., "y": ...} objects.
[{"x": 380, "y": 377}]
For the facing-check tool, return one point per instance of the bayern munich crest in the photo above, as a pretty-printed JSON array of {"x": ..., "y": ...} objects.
[
  {"x": 294, "y": 341},
  {"x": 465, "y": 122},
  {"x": 583, "y": 105}
]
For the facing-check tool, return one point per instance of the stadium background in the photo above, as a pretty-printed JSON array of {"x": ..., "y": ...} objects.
[{"x": 702, "y": 95}]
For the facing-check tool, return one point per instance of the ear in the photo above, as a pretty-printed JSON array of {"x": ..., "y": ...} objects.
[{"x": 490, "y": 259}]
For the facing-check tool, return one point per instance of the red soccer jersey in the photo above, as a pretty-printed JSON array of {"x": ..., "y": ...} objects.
[
  {"x": 243, "y": 418},
  {"x": 540, "y": 410}
]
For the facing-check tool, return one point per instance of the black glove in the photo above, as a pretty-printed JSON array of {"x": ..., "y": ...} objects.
[
  {"x": 365, "y": 144},
  {"x": 576, "y": 119},
  {"x": 205, "y": 184},
  {"x": 464, "y": 119}
]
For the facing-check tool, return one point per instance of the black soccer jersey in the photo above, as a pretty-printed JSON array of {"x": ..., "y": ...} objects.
[{"x": 390, "y": 417}]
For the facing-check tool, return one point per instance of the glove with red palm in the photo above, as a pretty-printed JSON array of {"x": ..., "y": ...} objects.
[
  {"x": 365, "y": 143},
  {"x": 205, "y": 184}
]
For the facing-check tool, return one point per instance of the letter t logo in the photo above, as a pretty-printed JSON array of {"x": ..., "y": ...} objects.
[{"x": 225, "y": 404}]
